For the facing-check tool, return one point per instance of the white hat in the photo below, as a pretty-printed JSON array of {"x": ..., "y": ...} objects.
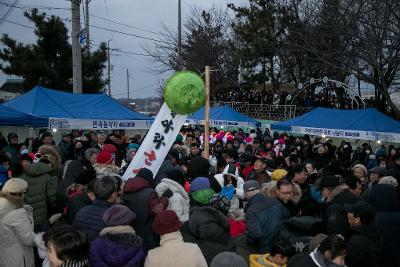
[{"x": 15, "y": 185}]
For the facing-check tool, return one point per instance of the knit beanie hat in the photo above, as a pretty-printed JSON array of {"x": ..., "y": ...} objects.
[
  {"x": 228, "y": 259},
  {"x": 199, "y": 183},
  {"x": 278, "y": 174},
  {"x": 166, "y": 222},
  {"x": 15, "y": 185},
  {"x": 198, "y": 167},
  {"x": 104, "y": 157},
  {"x": 118, "y": 215},
  {"x": 146, "y": 174},
  {"x": 133, "y": 146}
]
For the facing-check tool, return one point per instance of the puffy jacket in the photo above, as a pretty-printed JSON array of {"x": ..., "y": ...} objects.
[
  {"x": 336, "y": 215},
  {"x": 179, "y": 201},
  {"x": 76, "y": 203},
  {"x": 263, "y": 221},
  {"x": 41, "y": 195},
  {"x": 209, "y": 229},
  {"x": 173, "y": 252},
  {"x": 117, "y": 246},
  {"x": 90, "y": 218},
  {"x": 142, "y": 199},
  {"x": 16, "y": 233},
  {"x": 363, "y": 248},
  {"x": 384, "y": 198},
  {"x": 235, "y": 175}
]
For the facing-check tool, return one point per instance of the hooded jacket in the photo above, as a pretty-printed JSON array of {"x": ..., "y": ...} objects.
[
  {"x": 117, "y": 246},
  {"x": 384, "y": 198},
  {"x": 363, "y": 248},
  {"x": 142, "y": 199},
  {"x": 179, "y": 201},
  {"x": 233, "y": 172},
  {"x": 16, "y": 233},
  {"x": 264, "y": 216},
  {"x": 209, "y": 229},
  {"x": 271, "y": 189},
  {"x": 42, "y": 188},
  {"x": 335, "y": 215}
]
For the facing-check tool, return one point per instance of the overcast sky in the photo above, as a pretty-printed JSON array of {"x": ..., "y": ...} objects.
[{"x": 146, "y": 14}]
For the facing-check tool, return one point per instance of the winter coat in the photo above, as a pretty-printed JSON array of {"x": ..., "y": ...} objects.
[
  {"x": 3, "y": 175},
  {"x": 76, "y": 203},
  {"x": 336, "y": 215},
  {"x": 271, "y": 188},
  {"x": 209, "y": 229},
  {"x": 179, "y": 201},
  {"x": 263, "y": 221},
  {"x": 41, "y": 195},
  {"x": 72, "y": 170},
  {"x": 313, "y": 259},
  {"x": 299, "y": 229},
  {"x": 363, "y": 248},
  {"x": 90, "y": 218},
  {"x": 89, "y": 172},
  {"x": 16, "y": 233},
  {"x": 384, "y": 198},
  {"x": 142, "y": 199},
  {"x": 173, "y": 252},
  {"x": 239, "y": 181},
  {"x": 117, "y": 246}
]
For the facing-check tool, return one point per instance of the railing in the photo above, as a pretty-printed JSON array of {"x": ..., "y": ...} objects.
[{"x": 267, "y": 112}]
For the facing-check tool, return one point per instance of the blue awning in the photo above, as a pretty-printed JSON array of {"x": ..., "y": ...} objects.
[
  {"x": 367, "y": 124},
  {"x": 223, "y": 116}
]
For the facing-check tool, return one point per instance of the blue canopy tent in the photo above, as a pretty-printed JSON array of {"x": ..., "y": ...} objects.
[
  {"x": 366, "y": 124},
  {"x": 78, "y": 111},
  {"x": 223, "y": 116},
  {"x": 10, "y": 117}
]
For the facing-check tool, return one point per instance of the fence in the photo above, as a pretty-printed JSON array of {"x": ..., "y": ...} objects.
[{"x": 267, "y": 112}]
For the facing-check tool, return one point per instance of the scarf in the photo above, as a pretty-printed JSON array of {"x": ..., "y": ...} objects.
[{"x": 82, "y": 263}]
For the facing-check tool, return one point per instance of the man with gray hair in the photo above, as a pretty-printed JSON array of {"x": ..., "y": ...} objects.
[
  {"x": 101, "y": 139},
  {"x": 263, "y": 217}
]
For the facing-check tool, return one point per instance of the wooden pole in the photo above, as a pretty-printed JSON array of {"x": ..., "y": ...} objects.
[{"x": 207, "y": 115}]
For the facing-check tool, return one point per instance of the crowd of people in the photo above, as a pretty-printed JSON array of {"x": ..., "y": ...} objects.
[
  {"x": 258, "y": 199},
  {"x": 324, "y": 98}
]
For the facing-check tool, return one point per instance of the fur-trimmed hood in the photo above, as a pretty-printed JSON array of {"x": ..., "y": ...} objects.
[
  {"x": 270, "y": 189},
  {"x": 106, "y": 170},
  {"x": 53, "y": 152},
  {"x": 173, "y": 186}
]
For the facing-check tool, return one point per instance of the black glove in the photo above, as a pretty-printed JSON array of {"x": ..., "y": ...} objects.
[{"x": 168, "y": 193}]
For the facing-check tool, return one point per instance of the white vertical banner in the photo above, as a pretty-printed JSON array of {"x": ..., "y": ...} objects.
[{"x": 157, "y": 143}]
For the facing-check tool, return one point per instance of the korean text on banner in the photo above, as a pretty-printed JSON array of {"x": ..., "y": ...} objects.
[{"x": 157, "y": 143}]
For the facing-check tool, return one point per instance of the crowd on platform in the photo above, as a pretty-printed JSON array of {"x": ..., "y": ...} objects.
[
  {"x": 258, "y": 199},
  {"x": 324, "y": 98}
]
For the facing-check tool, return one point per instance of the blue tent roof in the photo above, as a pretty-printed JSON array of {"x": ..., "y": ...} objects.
[
  {"x": 10, "y": 117},
  {"x": 44, "y": 102},
  {"x": 223, "y": 115},
  {"x": 367, "y": 122}
]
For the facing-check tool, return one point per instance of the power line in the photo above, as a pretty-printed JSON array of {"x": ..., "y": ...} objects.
[
  {"x": 19, "y": 24},
  {"x": 33, "y": 6},
  {"x": 126, "y": 25},
  {"x": 108, "y": 18},
  {"x": 8, "y": 12}
]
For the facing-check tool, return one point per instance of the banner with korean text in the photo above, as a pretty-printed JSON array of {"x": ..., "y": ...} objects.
[
  {"x": 97, "y": 124},
  {"x": 157, "y": 143}
]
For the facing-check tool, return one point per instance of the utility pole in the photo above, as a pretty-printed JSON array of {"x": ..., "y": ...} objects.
[
  {"x": 127, "y": 81},
  {"x": 179, "y": 35},
  {"x": 87, "y": 25},
  {"x": 76, "y": 48},
  {"x": 108, "y": 69}
]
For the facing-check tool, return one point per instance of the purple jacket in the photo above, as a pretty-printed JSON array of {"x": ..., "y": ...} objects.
[{"x": 117, "y": 250}]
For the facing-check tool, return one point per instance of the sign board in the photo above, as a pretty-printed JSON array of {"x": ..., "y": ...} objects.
[
  {"x": 97, "y": 124},
  {"x": 157, "y": 143}
]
